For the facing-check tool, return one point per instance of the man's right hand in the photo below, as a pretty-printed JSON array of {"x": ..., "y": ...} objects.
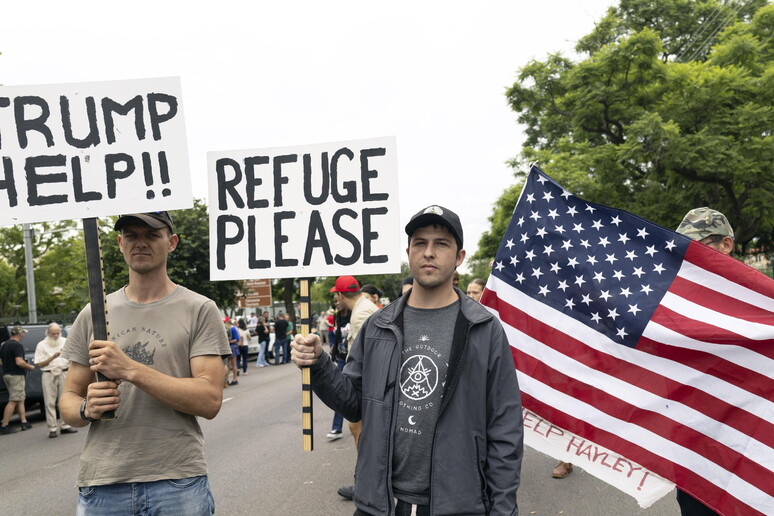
[{"x": 306, "y": 350}]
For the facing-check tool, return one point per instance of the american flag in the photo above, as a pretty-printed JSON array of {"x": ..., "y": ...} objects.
[{"x": 643, "y": 341}]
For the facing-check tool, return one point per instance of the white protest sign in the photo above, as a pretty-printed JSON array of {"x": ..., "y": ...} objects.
[
  {"x": 92, "y": 149},
  {"x": 645, "y": 486},
  {"x": 302, "y": 211}
]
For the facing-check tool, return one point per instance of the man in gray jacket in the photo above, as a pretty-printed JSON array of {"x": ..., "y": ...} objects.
[{"x": 432, "y": 378}]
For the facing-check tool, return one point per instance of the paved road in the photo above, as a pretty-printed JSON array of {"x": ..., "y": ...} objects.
[{"x": 257, "y": 466}]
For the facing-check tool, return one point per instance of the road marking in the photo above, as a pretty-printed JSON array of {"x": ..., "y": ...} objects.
[{"x": 227, "y": 399}]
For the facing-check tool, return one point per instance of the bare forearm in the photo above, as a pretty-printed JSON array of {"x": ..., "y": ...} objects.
[
  {"x": 70, "y": 409},
  {"x": 199, "y": 396}
]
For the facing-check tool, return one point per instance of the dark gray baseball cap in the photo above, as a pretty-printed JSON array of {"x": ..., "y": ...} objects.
[
  {"x": 156, "y": 220},
  {"x": 436, "y": 215}
]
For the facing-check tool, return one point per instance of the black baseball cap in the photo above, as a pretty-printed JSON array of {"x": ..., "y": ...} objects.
[
  {"x": 156, "y": 220},
  {"x": 436, "y": 215}
]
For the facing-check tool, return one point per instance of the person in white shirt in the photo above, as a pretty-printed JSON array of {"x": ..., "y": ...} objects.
[{"x": 53, "y": 373}]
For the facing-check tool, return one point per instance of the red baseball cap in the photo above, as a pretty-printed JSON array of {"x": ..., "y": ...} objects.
[{"x": 346, "y": 284}]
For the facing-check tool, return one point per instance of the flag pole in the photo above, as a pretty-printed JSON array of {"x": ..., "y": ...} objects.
[
  {"x": 306, "y": 374},
  {"x": 97, "y": 297}
]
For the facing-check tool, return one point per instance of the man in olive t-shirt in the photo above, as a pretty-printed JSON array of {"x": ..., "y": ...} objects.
[{"x": 163, "y": 357}]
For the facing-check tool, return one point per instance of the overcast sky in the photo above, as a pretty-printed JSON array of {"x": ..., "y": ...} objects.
[{"x": 270, "y": 74}]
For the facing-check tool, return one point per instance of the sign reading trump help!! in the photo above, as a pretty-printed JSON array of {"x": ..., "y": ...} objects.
[
  {"x": 310, "y": 210},
  {"x": 86, "y": 150}
]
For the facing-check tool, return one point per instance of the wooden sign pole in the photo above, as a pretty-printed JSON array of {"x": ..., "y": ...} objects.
[
  {"x": 97, "y": 296},
  {"x": 306, "y": 374}
]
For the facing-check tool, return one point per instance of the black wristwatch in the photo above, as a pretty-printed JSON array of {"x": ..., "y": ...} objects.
[{"x": 83, "y": 413}]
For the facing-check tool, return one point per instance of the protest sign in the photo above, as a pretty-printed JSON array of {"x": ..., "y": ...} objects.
[
  {"x": 92, "y": 149},
  {"x": 311, "y": 210}
]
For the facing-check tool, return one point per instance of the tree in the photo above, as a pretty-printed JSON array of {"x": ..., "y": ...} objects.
[
  {"x": 633, "y": 127},
  {"x": 189, "y": 264},
  {"x": 57, "y": 265}
]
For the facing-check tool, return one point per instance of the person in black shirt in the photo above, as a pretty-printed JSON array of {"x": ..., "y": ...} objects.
[{"x": 281, "y": 340}]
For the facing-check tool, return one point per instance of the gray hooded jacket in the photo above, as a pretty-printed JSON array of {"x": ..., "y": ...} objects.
[{"x": 478, "y": 444}]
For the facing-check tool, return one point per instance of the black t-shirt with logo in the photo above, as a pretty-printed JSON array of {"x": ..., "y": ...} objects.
[{"x": 427, "y": 342}]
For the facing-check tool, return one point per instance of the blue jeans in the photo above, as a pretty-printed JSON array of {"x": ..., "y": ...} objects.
[
  {"x": 183, "y": 497},
  {"x": 338, "y": 419},
  {"x": 281, "y": 346},
  {"x": 262, "y": 354},
  {"x": 242, "y": 358}
]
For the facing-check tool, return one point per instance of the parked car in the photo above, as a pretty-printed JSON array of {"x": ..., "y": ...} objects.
[{"x": 33, "y": 386}]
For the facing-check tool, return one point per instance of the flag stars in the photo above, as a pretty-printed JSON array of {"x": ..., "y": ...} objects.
[
  {"x": 563, "y": 285},
  {"x": 553, "y": 214},
  {"x": 571, "y": 211},
  {"x": 579, "y": 280},
  {"x": 613, "y": 314},
  {"x": 569, "y": 303},
  {"x": 537, "y": 272},
  {"x": 623, "y": 238},
  {"x": 630, "y": 255},
  {"x": 618, "y": 275},
  {"x": 572, "y": 262},
  {"x": 560, "y": 229},
  {"x": 555, "y": 268},
  {"x": 499, "y": 266},
  {"x": 605, "y": 294},
  {"x": 535, "y": 216},
  {"x": 567, "y": 245},
  {"x": 514, "y": 260},
  {"x": 646, "y": 289},
  {"x": 595, "y": 317},
  {"x": 530, "y": 198},
  {"x": 586, "y": 300},
  {"x": 604, "y": 242},
  {"x": 541, "y": 179},
  {"x": 585, "y": 244},
  {"x": 670, "y": 245},
  {"x": 638, "y": 272},
  {"x": 524, "y": 238},
  {"x": 597, "y": 225},
  {"x": 544, "y": 290},
  {"x": 599, "y": 277},
  {"x": 625, "y": 292},
  {"x": 520, "y": 222},
  {"x": 621, "y": 332},
  {"x": 548, "y": 197},
  {"x": 642, "y": 233},
  {"x": 565, "y": 194},
  {"x": 519, "y": 278},
  {"x": 509, "y": 244},
  {"x": 591, "y": 259},
  {"x": 541, "y": 232},
  {"x": 611, "y": 258},
  {"x": 548, "y": 249},
  {"x": 659, "y": 268},
  {"x": 590, "y": 208},
  {"x": 616, "y": 220},
  {"x": 651, "y": 250},
  {"x": 530, "y": 255},
  {"x": 577, "y": 228},
  {"x": 633, "y": 309}
]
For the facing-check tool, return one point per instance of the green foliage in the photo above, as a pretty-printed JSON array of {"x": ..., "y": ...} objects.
[
  {"x": 189, "y": 264},
  {"x": 631, "y": 127},
  {"x": 57, "y": 249}
]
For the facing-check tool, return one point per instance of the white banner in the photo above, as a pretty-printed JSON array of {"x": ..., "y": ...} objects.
[
  {"x": 645, "y": 486},
  {"x": 92, "y": 149},
  {"x": 303, "y": 211}
]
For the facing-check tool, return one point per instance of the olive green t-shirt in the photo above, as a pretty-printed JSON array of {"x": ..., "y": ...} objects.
[{"x": 149, "y": 440}]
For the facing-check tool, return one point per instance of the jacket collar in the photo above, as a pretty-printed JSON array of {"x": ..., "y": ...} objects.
[{"x": 473, "y": 312}]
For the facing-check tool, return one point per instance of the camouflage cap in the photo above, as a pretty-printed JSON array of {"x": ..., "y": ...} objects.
[{"x": 700, "y": 223}]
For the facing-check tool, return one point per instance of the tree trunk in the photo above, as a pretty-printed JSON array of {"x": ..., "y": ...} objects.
[{"x": 287, "y": 297}]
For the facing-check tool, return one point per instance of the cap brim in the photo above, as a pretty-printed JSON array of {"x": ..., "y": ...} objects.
[{"x": 150, "y": 221}]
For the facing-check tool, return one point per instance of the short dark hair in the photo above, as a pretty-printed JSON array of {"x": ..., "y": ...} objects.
[
  {"x": 372, "y": 290},
  {"x": 439, "y": 224},
  {"x": 408, "y": 280},
  {"x": 349, "y": 295}
]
